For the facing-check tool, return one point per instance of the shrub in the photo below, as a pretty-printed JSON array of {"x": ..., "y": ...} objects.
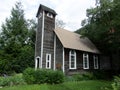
[
  {"x": 103, "y": 74},
  {"x": 4, "y": 81},
  {"x": 116, "y": 83},
  {"x": 55, "y": 77},
  {"x": 88, "y": 76},
  {"x": 78, "y": 77},
  {"x": 41, "y": 76},
  {"x": 12, "y": 80},
  {"x": 17, "y": 80},
  {"x": 29, "y": 75}
]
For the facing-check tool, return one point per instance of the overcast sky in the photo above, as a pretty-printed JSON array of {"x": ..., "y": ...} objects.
[{"x": 72, "y": 12}]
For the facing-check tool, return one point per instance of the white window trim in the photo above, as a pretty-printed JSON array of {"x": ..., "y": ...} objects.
[
  {"x": 48, "y": 61},
  {"x": 63, "y": 67},
  {"x": 70, "y": 59},
  {"x": 84, "y": 61},
  {"x": 95, "y": 59},
  {"x": 37, "y": 65}
]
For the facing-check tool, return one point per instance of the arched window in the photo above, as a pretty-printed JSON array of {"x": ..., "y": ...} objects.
[
  {"x": 72, "y": 59},
  {"x": 37, "y": 62}
]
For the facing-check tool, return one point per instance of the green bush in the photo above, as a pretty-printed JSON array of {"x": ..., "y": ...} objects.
[
  {"x": 103, "y": 74},
  {"x": 4, "y": 81},
  {"x": 78, "y": 77},
  {"x": 55, "y": 77},
  {"x": 29, "y": 75},
  {"x": 88, "y": 76},
  {"x": 116, "y": 83},
  {"x": 41, "y": 76},
  {"x": 17, "y": 80},
  {"x": 12, "y": 80}
]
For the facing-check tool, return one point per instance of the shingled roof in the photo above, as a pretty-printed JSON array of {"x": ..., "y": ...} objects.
[
  {"x": 75, "y": 41},
  {"x": 44, "y": 8}
]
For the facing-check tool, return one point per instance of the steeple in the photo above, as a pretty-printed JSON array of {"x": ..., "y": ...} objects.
[
  {"x": 44, "y": 48},
  {"x": 45, "y": 9}
]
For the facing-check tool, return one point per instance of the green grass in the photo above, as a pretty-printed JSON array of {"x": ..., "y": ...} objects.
[{"x": 82, "y": 85}]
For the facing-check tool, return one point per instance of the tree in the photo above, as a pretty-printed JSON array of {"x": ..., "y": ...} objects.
[
  {"x": 16, "y": 42},
  {"x": 102, "y": 26},
  {"x": 59, "y": 23}
]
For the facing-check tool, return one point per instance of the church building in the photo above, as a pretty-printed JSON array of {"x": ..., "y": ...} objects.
[{"x": 60, "y": 49}]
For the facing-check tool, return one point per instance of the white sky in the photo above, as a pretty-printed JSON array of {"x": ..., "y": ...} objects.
[{"x": 72, "y": 12}]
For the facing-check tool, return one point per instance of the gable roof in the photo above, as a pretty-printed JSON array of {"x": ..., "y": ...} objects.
[
  {"x": 75, "y": 41},
  {"x": 44, "y": 8}
]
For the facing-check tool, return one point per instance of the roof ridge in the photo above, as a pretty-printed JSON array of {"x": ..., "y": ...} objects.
[{"x": 58, "y": 28}]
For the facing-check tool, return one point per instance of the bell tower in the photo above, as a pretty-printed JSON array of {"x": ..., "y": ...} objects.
[{"x": 44, "y": 47}]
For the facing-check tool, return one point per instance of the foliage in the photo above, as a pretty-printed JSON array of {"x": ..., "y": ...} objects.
[
  {"x": 60, "y": 23},
  {"x": 80, "y": 77},
  {"x": 55, "y": 77},
  {"x": 41, "y": 76},
  {"x": 102, "y": 26},
  {"x": 82, "y": 85},
  {"x": 116, "y": 83},
  {"x": 12, "y": 80},
  {"x": 17, "y": 40},
  {"x": 29, "y": 75},
  {"x": 88, "y": 76},
  {"x": 103, "y": 74}
]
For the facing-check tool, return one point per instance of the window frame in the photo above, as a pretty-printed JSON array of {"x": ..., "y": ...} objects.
[
  {"x": 85, "y": 55},
  {"x": 95, "y": 60},
  {"x": 48, "y": 62},
  {"x": 37, "y": 62},
  {"x": 70, "y": 59}
]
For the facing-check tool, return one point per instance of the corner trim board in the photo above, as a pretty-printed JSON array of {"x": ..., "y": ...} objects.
[
  {"x": 54, "y": 52},
  {"x": 40, "y": 64},
  {"x": 63, "y": 60}
]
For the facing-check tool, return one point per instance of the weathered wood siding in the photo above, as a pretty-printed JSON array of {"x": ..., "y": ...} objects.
[
  {"x": 38, "y": 38},
  {"x": 59, "y": 54},
  {"x": 105, "y": 62},
  {"x": 48, "y": 39},
  {"x": 79, "y": 62},
  {"x": 48, "y": 42}
]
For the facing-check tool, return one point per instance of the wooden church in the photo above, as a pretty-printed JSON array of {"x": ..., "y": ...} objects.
[{"x": 60, "y": 49}]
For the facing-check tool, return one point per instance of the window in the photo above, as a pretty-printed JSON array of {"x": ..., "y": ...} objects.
[
  {"x": 48, "y": 61},
  {"x": 85, "y": 61},
  {"x": 50, "y": 15},
  {"x": 37, "y": 62},
  {"x": 95, "y": 59},
  {"x": 72, "y": 59}
]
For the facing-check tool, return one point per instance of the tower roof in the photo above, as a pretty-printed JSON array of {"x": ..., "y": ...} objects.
[{"x": 44, "y": 8}]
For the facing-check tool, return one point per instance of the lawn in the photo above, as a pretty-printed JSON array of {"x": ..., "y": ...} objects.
[{"x": 81, "y": 85}]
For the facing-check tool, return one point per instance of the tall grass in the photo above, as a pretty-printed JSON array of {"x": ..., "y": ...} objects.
[
  {"x": 81, "y": 85},
  {"x": 12, "y": 80}
]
